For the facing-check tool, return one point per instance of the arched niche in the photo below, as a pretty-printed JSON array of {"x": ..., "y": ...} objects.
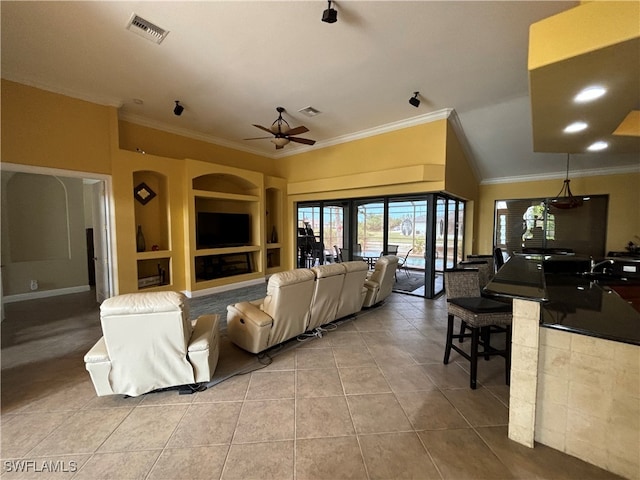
[
  {"x": 38, "y": 218},
  {"x": 224, "y": 183}
]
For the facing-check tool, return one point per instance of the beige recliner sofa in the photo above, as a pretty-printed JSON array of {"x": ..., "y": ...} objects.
[
  {"x": 297, "y": 301},
  {"x": 149, "y": 343},
  {"x": 281, "y": 315},
  {"x": 379, "y": 284}
]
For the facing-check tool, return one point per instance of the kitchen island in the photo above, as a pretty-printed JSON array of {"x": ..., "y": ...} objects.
[{"x": 575, "y": 370}]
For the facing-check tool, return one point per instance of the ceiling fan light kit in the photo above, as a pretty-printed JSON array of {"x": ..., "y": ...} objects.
[{"x": 283, "y": 133}]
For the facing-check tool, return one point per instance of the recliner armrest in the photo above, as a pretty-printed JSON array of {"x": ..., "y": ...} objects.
[
  {"x": 205, "y": 331},
  {"x": 371, "y": 285},
  {"x": 250, "y": 312},
  {"x": 98, "y": 353}
]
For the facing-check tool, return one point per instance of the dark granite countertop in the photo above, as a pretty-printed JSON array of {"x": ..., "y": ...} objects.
[{"x": 571, "y": 300}]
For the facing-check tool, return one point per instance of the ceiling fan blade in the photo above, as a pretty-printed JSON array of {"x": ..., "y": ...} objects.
[
  {"x": 256, "y": 138},
  {"x": 298, "y": 130},
  {"x": 306, "y": 141},
  {"x": 263, "y": 128}
]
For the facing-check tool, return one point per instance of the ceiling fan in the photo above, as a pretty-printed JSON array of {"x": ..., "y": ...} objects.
[{"x": 283, "y": 133}]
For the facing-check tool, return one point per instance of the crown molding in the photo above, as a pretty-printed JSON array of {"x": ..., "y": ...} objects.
[
  {"x": 593, "y": 172},
  {"x": 144, "y": 122},
  {"x": 370, "y": 132},
  {"x": 98, "y": 99}
]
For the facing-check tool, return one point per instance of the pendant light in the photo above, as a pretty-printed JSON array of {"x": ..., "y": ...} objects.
[{"x": 565, "y": 199}]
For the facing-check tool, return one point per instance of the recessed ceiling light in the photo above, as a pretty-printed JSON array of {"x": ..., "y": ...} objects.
[
  {"x": 575, "y": 127},
  {"x": 138, "y": 101},
  {"x": 597, "y": 146},
  {"x": 590, "y": 93}
]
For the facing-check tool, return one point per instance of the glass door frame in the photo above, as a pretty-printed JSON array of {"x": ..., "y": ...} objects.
[{"x": 452, "y": 240}]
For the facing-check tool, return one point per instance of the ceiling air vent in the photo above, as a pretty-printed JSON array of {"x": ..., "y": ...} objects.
[{"x": 146, "y": 29}]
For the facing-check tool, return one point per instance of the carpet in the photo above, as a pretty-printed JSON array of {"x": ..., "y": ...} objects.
[
  {"x": 409, "y": 283},
  {"x": 232, "y": 360}
]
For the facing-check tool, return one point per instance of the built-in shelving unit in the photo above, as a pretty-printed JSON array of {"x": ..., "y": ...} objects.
[
  {"x": 275, "y": 190},
  {"x": 153, "y": 264},
  {"x": 219, "y": 190}
]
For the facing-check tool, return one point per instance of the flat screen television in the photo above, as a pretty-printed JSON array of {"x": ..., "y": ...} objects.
[{"x": 218, "y": 230}]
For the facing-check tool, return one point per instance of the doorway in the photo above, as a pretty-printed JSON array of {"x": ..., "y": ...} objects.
[{"x": 85, "y": 201}]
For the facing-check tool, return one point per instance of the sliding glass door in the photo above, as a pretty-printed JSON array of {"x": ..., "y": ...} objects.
[
  {"x": 425, "y": 231},
  {"x": 406, "y": 236}
]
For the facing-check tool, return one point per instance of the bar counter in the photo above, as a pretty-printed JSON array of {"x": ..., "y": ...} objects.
[
  {"x": 575, "y": 359},
  {"x": 572, "y": 298}
]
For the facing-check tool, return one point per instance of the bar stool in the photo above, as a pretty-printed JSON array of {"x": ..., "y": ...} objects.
[{"x": 478, "y": 314}]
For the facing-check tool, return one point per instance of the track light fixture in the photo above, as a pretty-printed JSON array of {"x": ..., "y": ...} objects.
[
  {"x": 178, "y": 108},
  {"x": 414, "y": 100},
  {"x": 330, "y": 15}
]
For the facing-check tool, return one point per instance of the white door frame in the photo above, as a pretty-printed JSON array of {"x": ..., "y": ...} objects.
[{"x": 112, "y": 287}]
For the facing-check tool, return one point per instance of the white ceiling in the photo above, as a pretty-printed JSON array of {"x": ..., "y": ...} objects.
[{"x": 232, "y": 63}]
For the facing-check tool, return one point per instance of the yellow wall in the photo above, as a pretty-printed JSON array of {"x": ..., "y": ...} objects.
[
  {"x": 170, "y": 145},
  {"x": 624, "y": 203},
  {"x": 50, "y": 130},
  {"x": 563, "y": 36}
]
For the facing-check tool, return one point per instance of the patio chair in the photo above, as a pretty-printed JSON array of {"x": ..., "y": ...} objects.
[{"x": 402, "y": 265}]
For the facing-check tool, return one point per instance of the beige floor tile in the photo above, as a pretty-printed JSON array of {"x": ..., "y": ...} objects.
[
  {"x": 283, "y": 361},
  {"x": 323, "y": 382},
  {"x": 323, "y": 417},
  {"x": 199, "y": 463},
  {"x": 315, "y": 358},
  {"x": 83, "y": 432},
  {"x": 447, "y": 376},
  {"x": 314, "y": 342},
  {"x": 461, "y": 454},
  {"x": 371, "y": 324},
  {"x": 479, "y": 406},
  {"x": 358, "y": 380},
  {"x": 56, "y": 467},
  {"x": 391, "y": 354},
  {"x": 535, "y": 462},
  {"x": 407, "y": 378},
  {"x": 430, "y": 410},
  {"x": 353, "y": 357},
  {"x": 260, "y": 461},
  {"x": 21, "y": 432},
  {"x": 52, "y": 398},
  {"x": 206, "y": 424},
  {"x": 113, "y": 401},
  {"x": 329, "y": 458},
  {"x": 271, "y": 385},
  {"x": 501, "y": 392},
  {"x": 145, "y": 428},
  {"x": 129, "y": 465},
  {"x": 379, "y": 413},
  {"x": 233, "y": 389},
  {"x": 396, "y": 455},
  {"x": 168, "y": 397},
  {"x": 265, "y": 421},
  {"x": 343, "y": 338}
]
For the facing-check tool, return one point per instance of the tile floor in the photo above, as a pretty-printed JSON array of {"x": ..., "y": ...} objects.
[{"x": 370, "y": 400}]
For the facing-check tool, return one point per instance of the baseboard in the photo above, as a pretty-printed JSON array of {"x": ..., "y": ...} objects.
[
  {"x": 19, "y": 297},
  {"x": 223, "y": 288}
]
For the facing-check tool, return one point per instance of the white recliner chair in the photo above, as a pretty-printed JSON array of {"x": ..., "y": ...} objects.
[
  {"x": 379, "y": 284},
  {"x": 283, "y": 314},
  {"x": 149, "y": 343}
]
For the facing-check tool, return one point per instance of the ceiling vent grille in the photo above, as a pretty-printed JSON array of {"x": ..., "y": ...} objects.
[{"x": 146, "y": 29}]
